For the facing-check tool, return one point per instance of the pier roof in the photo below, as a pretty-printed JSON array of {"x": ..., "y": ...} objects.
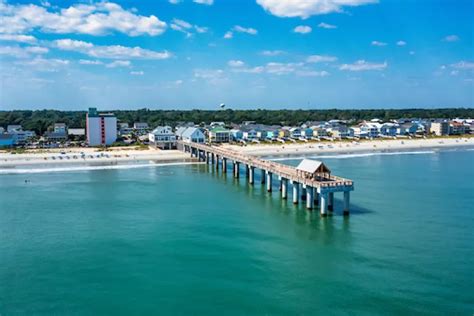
[{"x": 312, "y": 166}]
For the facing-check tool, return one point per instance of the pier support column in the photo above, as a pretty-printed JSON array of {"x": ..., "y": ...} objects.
[
  {"x": 269, "y": 181},
  {"x": 251, "y": 171},
  {"x": 309, "y": 198},
  {"x": 247, "y": 171},
  {"x": 296, "y": 192},
  {"x": 324, "y": 204},
  {"x": 213, "y": 158},
  {"x": 236, "y": 169},
  {"x": 217, "y": 162},
  {"x": 284, "y": 188},
  {"x": 262, "y": 180},
  {"x": 303, "y": 192},
  {"x": 316, "y": 197},
  {"x": 346, "y": 203},
  {"x": 331, "y": 201},
  {"x": 224, "y": 165}
]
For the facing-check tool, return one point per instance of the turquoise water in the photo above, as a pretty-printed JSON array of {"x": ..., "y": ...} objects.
[{"x": 185, "y": 240}]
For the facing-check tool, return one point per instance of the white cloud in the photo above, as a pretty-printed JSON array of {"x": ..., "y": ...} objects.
[
  {"x": 302, "y": 29},
  {"x": 22, "y": 52},
  {"x": 312, "y": 73},
  {"x": 451, "y": 38},
  {"x": 174, "y": 1},
  {"x": 362, "y": 65},
  {"x": 90, "y": 62},
  {"x": 111, "y": 52},
  {"x": 327, "y": 26},
  {"x": 401, "y": 43},
  {"x": 272, "y": 53},
  {"x": 206, "y": 2},
  {"x": 213, "y": 76},
  {"x": 240, "y": 29},
  {"x": 235, "y": 63},
  {"x": 43, "y": 64},
  {"x": 247, "y": 30},
  {"x": 37, "y": 49},
  {"x": 119, "y": 63},
  {"x": 18, "y": 38},
  {"x": 95, "y": 19},
  {"x": 306, "y": 8},
  {"x": 377, "y": 43},
  {"x": 463, "y": 65},
  {"x": 137, "y": 73},
  {"x": 186, "y": 27},
  {"x": 282, "y": 68},
  {"x": 320, "y": 59}
]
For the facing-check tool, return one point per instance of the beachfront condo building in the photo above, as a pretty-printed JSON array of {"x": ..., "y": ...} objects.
[
  {"x": 101, "y": 128},
  {"x": 439, "y": 128}
]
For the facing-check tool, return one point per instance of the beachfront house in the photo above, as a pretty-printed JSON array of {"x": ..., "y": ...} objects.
[
  {"x": 295, "y": 132},
  {"x": 162, "y": 137},
  {"x": 389, "y": 129},
  {"x": 236, "y": 134},
  {"x": 219, "y": 134},
  {"x": 6, "y": 140},
  {"x": 307, "y": 132},
  {"x": 341, "y": 131},
  {"x": 140, "y": 128},
  {"x": 191, "y": 135},
  {"x": 270, "y": 131},
  {"x": 284, "y": 132},
  {"x": 458, "y": 128},
  {"x": 249, "y": 132},
  {"x": 407, "y": 129},
  {"x": 101, "y": 128},
  {"x": 318, "y": 131},
  {"x": 440, "y": 128}
]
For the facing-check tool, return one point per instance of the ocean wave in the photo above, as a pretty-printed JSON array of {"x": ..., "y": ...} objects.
[
  {"x": 91, "y": 168},
  {"x": 356, "y": 155}
]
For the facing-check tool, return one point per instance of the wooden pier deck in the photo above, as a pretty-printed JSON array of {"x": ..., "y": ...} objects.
[{"x": 315, "y": 190}]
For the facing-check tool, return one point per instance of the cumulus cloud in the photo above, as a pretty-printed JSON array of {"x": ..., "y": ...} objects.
[
  {"x": 21, "y": 38},
  {"x": 174, "y": 1},
  {"x": 377, "y": 43},
  {"x": 240, "y": 29},
  {"x": 463, "y": 65},
  {"x": 206, "y": 2},
  {"x": 137, "y": 73},
  {"x": 326, "y": 26},
  {"x": 186, "y": 27},
  {"x": 110, "y": 52},
  {"x": 44, "y": 64},
  {"x": 312, "y": 73},
  {"x": 451, "y": 38},
  {"x": 401, "y": 43},
  {"x": 95, "y": 19},
  {"x": 320, "y": 59},
  {"x": 213, "y": 76},
  {"x": 302, "y": 29},
  {"x": 90, "y": 62},
  {"x": 119, "y": 63},
  {"x": 235, "y": 63},
  {"x": 362, "y": 65},
  {"x": 22, "y": 52},
  {"x": 272, "y": 53},
  {"x": 306, "y": 8}
]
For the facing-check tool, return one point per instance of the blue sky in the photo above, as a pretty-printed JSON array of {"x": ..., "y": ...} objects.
[{"x": 184, "y": 54}]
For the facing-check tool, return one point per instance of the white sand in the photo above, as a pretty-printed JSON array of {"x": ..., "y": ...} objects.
[
  {"x": 126, "y": 155},
  {"x": 349, "y": 147}
]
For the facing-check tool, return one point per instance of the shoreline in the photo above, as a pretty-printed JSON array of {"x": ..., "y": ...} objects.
[{"x": 91, "y": 159}]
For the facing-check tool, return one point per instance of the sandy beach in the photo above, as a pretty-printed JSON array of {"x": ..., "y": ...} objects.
[
  {"x": 63, "y": 158},
  {"x": 291, "y": 149}
]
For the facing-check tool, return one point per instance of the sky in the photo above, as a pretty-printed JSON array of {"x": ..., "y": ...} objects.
[{"x": 248, "y": 54}]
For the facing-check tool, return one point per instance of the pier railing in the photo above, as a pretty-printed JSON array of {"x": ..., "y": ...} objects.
[{"x": 282, "y": 170}]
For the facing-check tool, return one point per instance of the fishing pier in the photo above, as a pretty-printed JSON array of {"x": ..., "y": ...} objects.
[{"x": 311, "y": 181}]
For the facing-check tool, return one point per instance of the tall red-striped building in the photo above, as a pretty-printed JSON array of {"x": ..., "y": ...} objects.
[{"x": 101, "y": 128}]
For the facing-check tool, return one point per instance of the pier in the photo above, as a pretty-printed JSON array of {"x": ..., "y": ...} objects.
[{"x": 311, "y": 182}]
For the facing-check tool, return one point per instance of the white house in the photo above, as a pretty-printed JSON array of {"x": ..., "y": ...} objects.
[
  {"x": 163, "y": 137},
  {"x": 192, "y": 135}
]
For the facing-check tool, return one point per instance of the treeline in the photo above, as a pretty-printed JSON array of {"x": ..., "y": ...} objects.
[{"x": 41, "y": 120}]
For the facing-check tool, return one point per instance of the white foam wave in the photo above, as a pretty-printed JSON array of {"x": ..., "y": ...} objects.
[
  {"x": 358, "y": 155},
  {"x": 91, "y": 168}
]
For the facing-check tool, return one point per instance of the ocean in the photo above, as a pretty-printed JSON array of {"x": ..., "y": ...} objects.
[{"x": 183, "y": 239}]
